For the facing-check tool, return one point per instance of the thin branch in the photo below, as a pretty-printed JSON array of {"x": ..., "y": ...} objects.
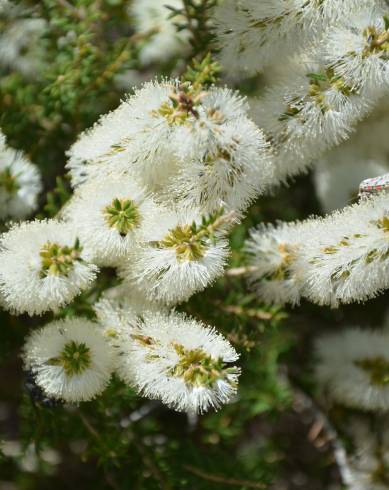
[
  {"x": 159, "y": 477},
  {"x": 228, "y": 218},
  {"x": 89, "y": 426},
  {"x": 110, "y": 481},
  {"x": 240, "y": 271},
  {"x": 77, "y": 13},
  {"x": 125, "y": 54},
  {"x": 249, "y": 312},
  {"x": 221, "y": 479},
  {"x": 108, "y": 477},
  {"x": 323, "y": 424}
]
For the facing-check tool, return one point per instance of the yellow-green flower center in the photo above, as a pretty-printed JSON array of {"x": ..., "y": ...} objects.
[
  {"x": 319, "y": 84},
  {"x": 181, "y": 105},
  {"x": 8, "y": 181},
  {"x": 288, "y": 255},
  {"x": 75, "y": 358},
  {"x": 380, "y": 475},
  {"x": 123, "y": 215},
  {"x": 377, "y": 41},
  {"x": 59, "y": 260},
  {"x": 376, "y": 368},
  {"x": 383, "y": 224},
  {"x": 185, "y": 243},
  {"x": 190, "y": 242},
  {"x": 198, "y": 368}
]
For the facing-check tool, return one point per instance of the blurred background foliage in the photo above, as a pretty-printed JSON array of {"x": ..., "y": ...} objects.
[{"x": 270, "y": 436}]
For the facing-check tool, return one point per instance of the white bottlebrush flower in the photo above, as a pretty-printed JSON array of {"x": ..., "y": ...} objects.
[
  {"x": 354, "y": 366},
  {"x": 238, "y": 42},
  {"x": 272, "y": 252},
  {"x": 70, "y": 359},
  {"x": 118, "y": 309},
  {"x": 358, "y": 48},
  {"x": 342, "y": 258},
  {"x": 152, "y": 131},
  {"x": 311, "y": 111},
  {"x": 42, "y": 267},
  {"x": 230, "y": 168},
  {"x": 252, "y": 34},
  {"x": 109, "y": 215},
  {"x": 20, "y": 183},
  {"x": 133, "y": 135},
  {"x": 181, "y": 254},
  {"x": 180, "y": 361},
  {"x": 345, "y": 259},
  {"x": 166, "y": 41}
]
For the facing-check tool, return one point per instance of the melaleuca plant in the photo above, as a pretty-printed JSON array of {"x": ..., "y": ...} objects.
[{"x": 144, "y": 149}]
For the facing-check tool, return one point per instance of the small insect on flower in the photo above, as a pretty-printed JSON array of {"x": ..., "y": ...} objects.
[
  {"x": 43, "y": 266},
  {"x": 70, "y": 359},
  {"x": 354, "y": 366},
  {"x": 109, "y": 215},
  {"x": 180, "y": 361},
  {"x": 182, "y": 254},
  {"x": 374, "y": 185},
  {"x": 20, "y": 183}
]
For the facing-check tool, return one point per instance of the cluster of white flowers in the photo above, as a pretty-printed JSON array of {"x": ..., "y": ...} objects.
[
  {"x": 162, "y": 355},
  {"x": 162, "y": 38},
  {"x": 342, "y": 258},
  {"x": 254, "y": 34},
  {"x": 20, "y": 183},
  {"x": 192, "y": 147},
  {"x": 159, "y": 182},
  {"x": 326, "y": 64},
  {"x": 324, "y": 90}
]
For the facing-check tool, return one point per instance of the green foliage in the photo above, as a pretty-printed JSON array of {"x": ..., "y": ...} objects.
[
  {"x": 202, "y": 73},
  {"x": 196, "y": 15},
  {"x": 58, "y": 197}
]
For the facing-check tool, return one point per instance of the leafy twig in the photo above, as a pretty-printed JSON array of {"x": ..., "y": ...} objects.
[
  {"x": 164, "y": 485},
  {"x": 89, "y": 427},
  {"x": 240, "y": 271},
  {"x": 221, "y": 479}
]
